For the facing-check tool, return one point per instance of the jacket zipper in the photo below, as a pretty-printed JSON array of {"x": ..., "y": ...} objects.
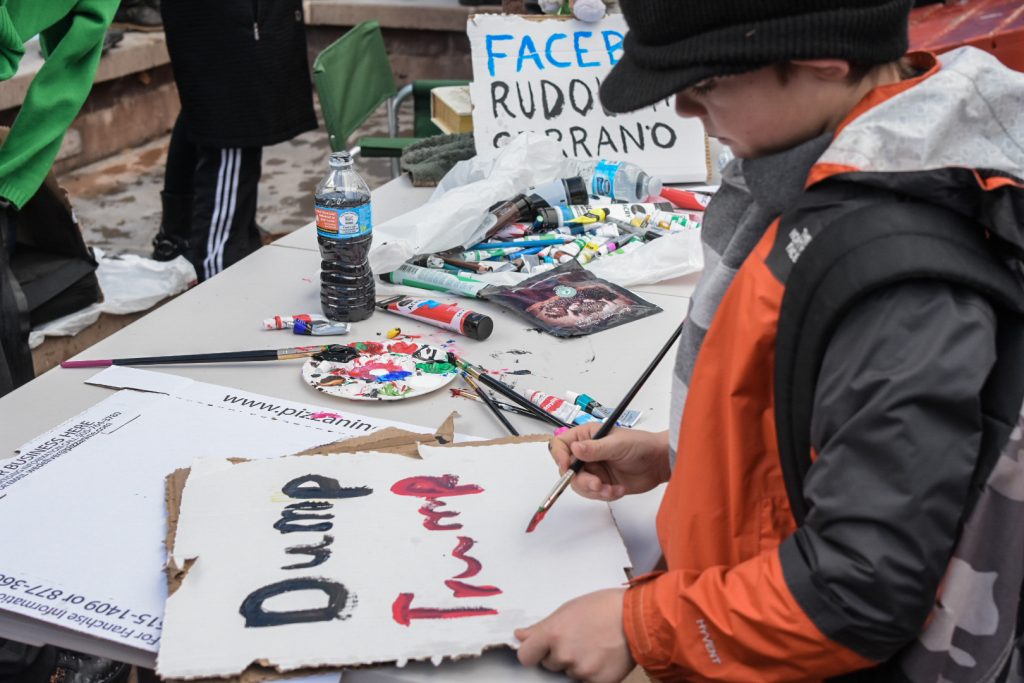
[{"x": 256, "y": 19}]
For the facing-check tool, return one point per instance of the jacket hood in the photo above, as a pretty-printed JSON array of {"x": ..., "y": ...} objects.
[{"x": 953, "y": 137}]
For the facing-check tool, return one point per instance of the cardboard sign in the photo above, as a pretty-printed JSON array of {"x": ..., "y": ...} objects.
[
  {"x": 544, "y": 75},
  {"x": 354, "y": 559},
  {"x": 111, "y": 460}
]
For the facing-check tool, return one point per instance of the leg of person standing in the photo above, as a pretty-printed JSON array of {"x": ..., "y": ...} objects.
[
  {"x": 224, "y": 221},
  {"x": 176, "y": 199}
]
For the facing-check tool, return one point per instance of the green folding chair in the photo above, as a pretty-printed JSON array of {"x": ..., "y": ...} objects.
[{"x": 353, "y": 78}]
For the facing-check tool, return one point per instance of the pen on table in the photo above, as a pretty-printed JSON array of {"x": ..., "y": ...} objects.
[
  {"x": 609, "y": 424},
  {"x": 489, "y": 403}
]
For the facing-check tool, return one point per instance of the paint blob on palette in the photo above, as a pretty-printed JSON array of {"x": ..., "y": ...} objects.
[{"x": 376, "y": 371}]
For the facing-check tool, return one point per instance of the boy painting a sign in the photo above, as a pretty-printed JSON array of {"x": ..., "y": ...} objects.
[{"x": 844, "y": 485}]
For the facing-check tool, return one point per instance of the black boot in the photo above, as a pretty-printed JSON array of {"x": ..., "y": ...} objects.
[
  {"x": 175, "y": 227},
  {"x": 111, "y": 39},
  {"x": 138, "y": 15}
]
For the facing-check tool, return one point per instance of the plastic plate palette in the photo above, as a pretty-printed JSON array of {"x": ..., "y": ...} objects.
[{"x": 375, "y": 371}]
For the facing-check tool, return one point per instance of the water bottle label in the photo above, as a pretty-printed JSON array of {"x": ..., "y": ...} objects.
[
  {"x": 343, "y": 224},
  {"x": 603, "y": 183}
]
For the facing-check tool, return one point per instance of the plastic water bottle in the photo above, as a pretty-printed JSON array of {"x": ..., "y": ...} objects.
[
  {"x": 616, "y": 179},
  {"x": 344, "y": 230}
]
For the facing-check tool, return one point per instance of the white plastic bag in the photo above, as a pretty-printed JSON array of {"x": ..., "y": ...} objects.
[
  {"x": 130, "y": 284},
  {"x": 457, "y": 215},
  {"x": 675, "y": 254}
]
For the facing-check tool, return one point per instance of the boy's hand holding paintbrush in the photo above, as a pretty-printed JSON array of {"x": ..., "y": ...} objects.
[{"x": 623, "y": 463}]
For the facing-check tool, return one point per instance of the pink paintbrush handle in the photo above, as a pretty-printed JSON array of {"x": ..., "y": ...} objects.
[{"x": 86, "y": 363}]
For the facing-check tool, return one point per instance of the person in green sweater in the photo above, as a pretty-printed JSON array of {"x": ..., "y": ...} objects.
[{"x": 71, "y": 34}]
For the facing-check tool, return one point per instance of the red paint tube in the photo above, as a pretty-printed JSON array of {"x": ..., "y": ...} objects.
[
  {"x": 447, "y": 316},
  {"x": 684, "y": 199}
]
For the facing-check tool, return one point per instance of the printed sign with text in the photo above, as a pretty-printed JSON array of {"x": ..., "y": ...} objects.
[{"x": 543, "y": 75}]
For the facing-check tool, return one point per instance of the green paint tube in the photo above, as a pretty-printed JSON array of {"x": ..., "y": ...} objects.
[{"x": 435, "y": 280}]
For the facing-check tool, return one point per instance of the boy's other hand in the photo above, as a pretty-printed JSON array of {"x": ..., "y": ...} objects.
[
  {"x": 584, "y": 638},
  {"x": 624, "y": 462}
]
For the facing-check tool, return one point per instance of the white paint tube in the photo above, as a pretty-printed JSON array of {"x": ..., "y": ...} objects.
[{"x": 559, "y": 407}]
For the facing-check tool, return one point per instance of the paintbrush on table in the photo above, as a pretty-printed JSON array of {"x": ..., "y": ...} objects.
[
  {"x": 489, "y": 403},
  {"x": 502, "y": 406},
  {"x": 605, "y": 429},
  {"x": 505, "y": 390},
  {"x": 340, "y": 351}
]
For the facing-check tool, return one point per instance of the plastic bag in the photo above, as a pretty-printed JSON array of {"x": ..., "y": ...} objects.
[
  {"x": 673, "y": 255},
  {"x": 456, "y": 215},
  {"x": 571, "y": 302},
  {"x": 130, "y": 284}
]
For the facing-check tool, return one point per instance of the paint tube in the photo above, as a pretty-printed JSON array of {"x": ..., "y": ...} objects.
[
  {"x": 562, "y": 216},
  {"x": 458, "y": 265},
  {"x": 559, "y": 192},
  {"x": 436, "y": 280},
  {"x": 606, "y": 248},
  {"x": 446, "y": 316},
  {"x": 569, "y": 250},
  {"x": 633, "y": 244},
  {"x": 622, "y": 212},
  {"x": 684, "y": 199},
  {"x": 559, "y": 407},
  {"x": 647, "y": 234},
  {"x": 667, "y": 220},
  {"x": 513, "y": 231},
  {"x": 284, "y": 322},
  {"x": 518, "y": 240},
  {"x": 589, "y": 405},
  {"x": 604, "y": 230},
  {"x": 319, "y": 329},
  {"x": 485, "y": 254},
  {"x": 591, "y": 249}
]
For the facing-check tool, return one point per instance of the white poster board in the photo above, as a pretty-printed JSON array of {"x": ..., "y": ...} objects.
[
  {"x": 344, "y": 560},
  {"x": 86, "y": 499},
  {"x": 543, "y": 75}
]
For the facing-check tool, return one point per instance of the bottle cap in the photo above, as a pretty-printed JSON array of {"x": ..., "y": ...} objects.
[
  {"x": 547, "y": 217},
  {"x": 340, "y": 158},
  {"x": 478, "y": 326},
  {"x": 576, "y": 190},
  {"x": 647, "y": 186}
]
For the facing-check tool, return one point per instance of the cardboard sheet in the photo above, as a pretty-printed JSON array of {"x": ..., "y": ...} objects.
[
  {"x": 379, "y": 558},
  {"x": 88, "y": 496}
]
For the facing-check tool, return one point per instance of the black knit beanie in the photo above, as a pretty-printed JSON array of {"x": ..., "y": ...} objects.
[{"x": 673, "y": 44}]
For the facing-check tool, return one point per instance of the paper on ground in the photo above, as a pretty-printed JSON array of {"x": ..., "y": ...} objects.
[
  {"x": 130, "y": 284},
  {"x": 399, "y": 575},
  {"x": 86, "y": 500}
]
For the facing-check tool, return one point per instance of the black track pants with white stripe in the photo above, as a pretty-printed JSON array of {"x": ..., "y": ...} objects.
[{"x": 224, "y": 219}]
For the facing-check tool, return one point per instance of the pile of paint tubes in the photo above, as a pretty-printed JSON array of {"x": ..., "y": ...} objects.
[
  {"x": 565, "y": 233},
  {"x": 577, "y": 408}
]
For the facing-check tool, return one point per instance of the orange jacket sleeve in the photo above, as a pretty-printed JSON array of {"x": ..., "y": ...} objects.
[{"x": 729, "y": 624}]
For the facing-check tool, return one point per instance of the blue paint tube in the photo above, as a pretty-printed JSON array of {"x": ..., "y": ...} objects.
[
  {"x": 590, "y": 406},
  {"x": 319, "y": 329}
]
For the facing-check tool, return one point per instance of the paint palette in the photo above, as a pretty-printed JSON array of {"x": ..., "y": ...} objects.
[{"x": 377, "y": 371}]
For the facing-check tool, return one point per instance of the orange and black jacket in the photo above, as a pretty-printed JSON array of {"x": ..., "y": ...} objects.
[{"x": 896, "y": 421}]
